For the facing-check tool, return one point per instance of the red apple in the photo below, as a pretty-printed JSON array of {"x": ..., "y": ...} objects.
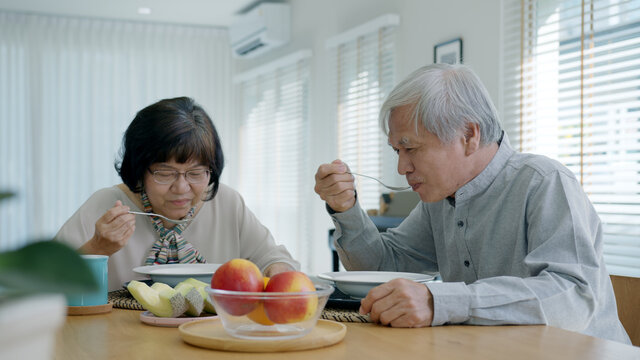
[
  {"x": 295, "y": 309},
  {"x": 258, "y": 315},
  {"x": 237, "y": 275}
]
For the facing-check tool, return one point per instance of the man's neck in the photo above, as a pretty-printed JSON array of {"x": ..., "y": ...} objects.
[
  {"x": 479, "y": 161},
  {"x": 483, "y": 157}
]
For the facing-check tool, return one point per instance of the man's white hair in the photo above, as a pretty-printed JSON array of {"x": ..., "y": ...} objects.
[{"x": 445, "y": 98}]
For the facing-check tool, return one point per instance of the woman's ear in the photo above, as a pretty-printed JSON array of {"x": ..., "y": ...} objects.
[{"x": 471, "y": 138}]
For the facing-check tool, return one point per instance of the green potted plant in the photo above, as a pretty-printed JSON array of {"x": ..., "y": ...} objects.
[{"x": 33, "y": 282}]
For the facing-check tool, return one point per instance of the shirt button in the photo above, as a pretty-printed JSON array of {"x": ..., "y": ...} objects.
[
  {"x": 460, "y": 223},
  {"x": 466, "y": 263}
]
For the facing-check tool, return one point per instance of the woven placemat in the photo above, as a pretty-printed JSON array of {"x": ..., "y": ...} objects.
[
  {"x": 344, "y": 315},
  {"x": 122, "y": 299}
]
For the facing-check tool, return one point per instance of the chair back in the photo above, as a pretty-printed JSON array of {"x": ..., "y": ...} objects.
[{"x": 627, "y": 291}]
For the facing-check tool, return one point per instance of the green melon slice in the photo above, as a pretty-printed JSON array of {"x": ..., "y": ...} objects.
[
  {"x": 194, "y": 299},
  {"x": 161, "y": 301},
  {"x": 200, "y": 285}
]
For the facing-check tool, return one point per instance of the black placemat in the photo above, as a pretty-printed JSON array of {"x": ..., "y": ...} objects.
[{"x": 340, "y": 300}]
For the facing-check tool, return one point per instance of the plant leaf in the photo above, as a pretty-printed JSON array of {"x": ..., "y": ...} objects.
[
  {"x": 5, "y": 195},
  {"x": 45, "y": 266}
]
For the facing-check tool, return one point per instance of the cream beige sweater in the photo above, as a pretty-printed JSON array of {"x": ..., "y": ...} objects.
[{"x": 224, "y": 228}]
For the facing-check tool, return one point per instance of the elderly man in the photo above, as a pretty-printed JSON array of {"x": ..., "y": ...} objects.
[{"x": 513, "y": 235}]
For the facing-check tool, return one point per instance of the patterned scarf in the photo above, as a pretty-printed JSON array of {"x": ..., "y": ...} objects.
[{"x": 170, "y": 248}]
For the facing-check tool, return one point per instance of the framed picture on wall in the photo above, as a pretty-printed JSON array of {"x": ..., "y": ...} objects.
[{"x": 449, "y": 52}]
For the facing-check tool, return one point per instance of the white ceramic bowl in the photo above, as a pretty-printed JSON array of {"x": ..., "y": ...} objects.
[
  {"x": 172, "y": 274},
  {"x": 357, "y": 284},
  {"x": 258, "y": 323}
]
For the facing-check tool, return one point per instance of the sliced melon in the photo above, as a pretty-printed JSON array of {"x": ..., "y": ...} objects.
[
  {"x": 158, "y": 286},
  {"x": 200, "y": 285},
  {"x": 194, "y": 299},
  {"x": 160, "y": 301}
]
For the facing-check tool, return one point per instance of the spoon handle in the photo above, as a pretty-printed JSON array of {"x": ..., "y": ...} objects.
[
  {"x": 397, "y": 188},
  {"x": 160, "y": 216}
]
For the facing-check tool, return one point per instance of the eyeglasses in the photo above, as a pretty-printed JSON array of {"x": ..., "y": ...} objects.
[{"x": 166, "y": 177}]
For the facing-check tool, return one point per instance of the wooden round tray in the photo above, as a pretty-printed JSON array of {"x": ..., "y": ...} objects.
[{"x": 210, "y": 334}]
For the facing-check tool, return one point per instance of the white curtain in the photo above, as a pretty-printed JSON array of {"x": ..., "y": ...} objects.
[
  {"x": 275, "y": 174},
  {"x": 69, "y": 87},
  {"x": 364, "y": 60}
]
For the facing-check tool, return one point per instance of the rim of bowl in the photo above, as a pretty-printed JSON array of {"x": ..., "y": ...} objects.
[{"x": 321, "y": 289}]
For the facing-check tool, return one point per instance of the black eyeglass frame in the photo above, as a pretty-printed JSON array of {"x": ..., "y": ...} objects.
[{"x": 177, "y": 174}]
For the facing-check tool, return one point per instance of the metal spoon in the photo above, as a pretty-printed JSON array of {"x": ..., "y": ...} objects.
[
  {"x": 397, "y": 188},
  {"x": 161, "y": 216}
]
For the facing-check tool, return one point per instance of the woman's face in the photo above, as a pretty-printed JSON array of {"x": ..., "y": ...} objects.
[{"x": 175, "y": 198}]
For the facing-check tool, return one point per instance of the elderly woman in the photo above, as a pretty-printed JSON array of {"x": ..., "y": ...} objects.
[{"x": 171, "y": 162}]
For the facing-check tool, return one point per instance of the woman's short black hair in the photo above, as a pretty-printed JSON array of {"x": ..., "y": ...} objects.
[{"x": 172, "y": 129}]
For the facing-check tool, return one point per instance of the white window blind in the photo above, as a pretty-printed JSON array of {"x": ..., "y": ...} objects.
[
  {"x": 69, "y": 87},
  {"x": 364, "y": 62},
  {"x": 571, "y": 91},
  {"x": 274, "y": 136}
]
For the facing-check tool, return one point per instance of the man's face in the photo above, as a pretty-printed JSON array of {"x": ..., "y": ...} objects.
[{"x": 433, "y": 169}]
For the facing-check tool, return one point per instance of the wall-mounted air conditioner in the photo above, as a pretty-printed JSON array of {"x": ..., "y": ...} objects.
[{"x": 264, "y": 28}]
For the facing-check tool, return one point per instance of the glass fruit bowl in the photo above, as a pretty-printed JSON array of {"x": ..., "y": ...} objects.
[{"x": 269, "y": 315}]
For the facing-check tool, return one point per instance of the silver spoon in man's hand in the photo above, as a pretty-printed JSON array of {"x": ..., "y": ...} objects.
[{"x": 397, "y": 188}]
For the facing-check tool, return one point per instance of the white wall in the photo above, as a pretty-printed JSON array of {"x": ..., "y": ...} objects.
[{"x": 423, "y": 23}]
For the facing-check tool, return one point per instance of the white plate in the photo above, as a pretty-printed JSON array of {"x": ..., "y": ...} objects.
[
  {"x": 172, "y": 274},
  {"x": 358, "y": 283}
]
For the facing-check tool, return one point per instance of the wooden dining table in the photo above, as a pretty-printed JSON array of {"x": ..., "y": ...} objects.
[{"x": 121, "y": 335}]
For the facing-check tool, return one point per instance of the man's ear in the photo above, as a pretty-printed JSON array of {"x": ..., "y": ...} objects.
[{"x": 471, "y": 138}]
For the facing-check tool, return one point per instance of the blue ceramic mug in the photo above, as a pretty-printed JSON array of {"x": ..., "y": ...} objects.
[{"x": 99, "y": 268}]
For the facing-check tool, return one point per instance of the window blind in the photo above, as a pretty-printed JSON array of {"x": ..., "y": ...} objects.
[
  {"x": 364, "y": 60},
  {"x": 70, "y": 86},
  {"x": 571, "y": 91},
  {"x": 273, "y": 149}
]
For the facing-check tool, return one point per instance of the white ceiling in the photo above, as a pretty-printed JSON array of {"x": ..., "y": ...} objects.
[{"x": 196, "y": 12}]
